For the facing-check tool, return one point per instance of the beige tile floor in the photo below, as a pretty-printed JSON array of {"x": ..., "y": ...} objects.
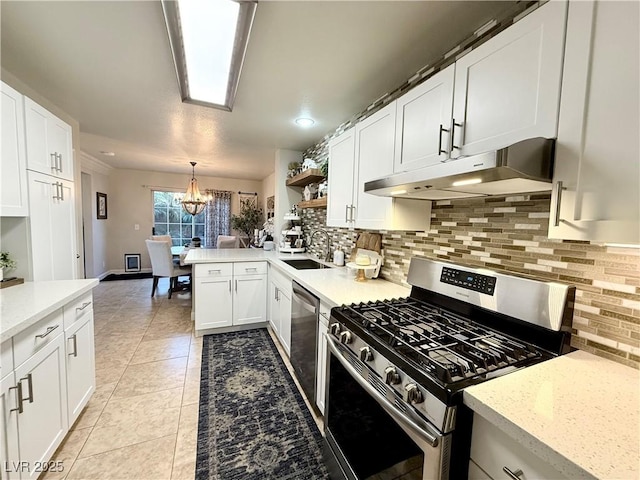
[{"x": 141, "y": 422}]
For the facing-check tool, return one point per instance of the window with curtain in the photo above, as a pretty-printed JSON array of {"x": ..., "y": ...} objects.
[
  {"x": 169, "y": 218},
  {"x": 217, "y": 216}
]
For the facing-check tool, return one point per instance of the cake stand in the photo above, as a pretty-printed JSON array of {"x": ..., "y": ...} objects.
[{"x": 361, "y": 277}]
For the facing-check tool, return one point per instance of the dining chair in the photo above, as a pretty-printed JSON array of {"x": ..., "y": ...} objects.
[
  {"x": 163, "y": 266},
  {"x": 227, "y": 241},
  {"x": 164, "y": 238}
]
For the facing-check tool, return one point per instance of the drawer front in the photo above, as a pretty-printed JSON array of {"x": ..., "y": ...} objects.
[
  {"x": 204, "y": 270},
  {"x": 493, "y": 450},
  {"x": 29, "y": 341},
  {"x": 77, "y": 309},
  {"x": 250, "y": 268},
  {"x": 6, "y": 358}
]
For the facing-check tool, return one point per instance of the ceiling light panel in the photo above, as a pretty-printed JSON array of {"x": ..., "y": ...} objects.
[{"x": 208, "y": 40}]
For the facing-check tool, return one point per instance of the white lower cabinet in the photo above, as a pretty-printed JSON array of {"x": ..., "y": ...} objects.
[
  {"x": 43, "y": 422},
  {"x": 250, "y": 292},
  {"x": 9, "y": 428},
  {"x": 53, "y": 380},
  {"x": 321, "y": 361},
  {"x": 228, "y": 294},
  {"x": 213, "y": 302},
  {"x": 80, "y": 357},
  {"x": 493, "y": 453},
  {"x": 280, "y": 306}
]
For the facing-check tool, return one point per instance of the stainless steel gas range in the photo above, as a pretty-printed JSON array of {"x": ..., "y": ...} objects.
[{"x": 397, "y": 368}]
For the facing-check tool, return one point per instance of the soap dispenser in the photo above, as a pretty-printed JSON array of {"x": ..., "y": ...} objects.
[{"x": 338, "y": 257}]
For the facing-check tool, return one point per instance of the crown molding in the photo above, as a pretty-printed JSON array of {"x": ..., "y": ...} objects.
[{"x": 88, "y": 162}]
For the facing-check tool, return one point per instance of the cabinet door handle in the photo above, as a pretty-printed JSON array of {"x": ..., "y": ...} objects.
[
  {"x": 275, "y": 294},
  {"x": 54, "y": 161},
  {"x": 60, "y": 160},
  {"x": 353, "y": 216},
  {"x": 236, "y": 285},
  {"x": 440, "y": 150},
  {"x": 47, "y": 332},
  {"x": 61, "y": 192},
  {"x": 250, "y": 269},
  {"x": 75, "y": 346},
  {"x": 84, "y": 305},
  {"x": 229, "y": 286},
  {"x": 346, "y": 213},
  {"x": 19, "y": 400},
  {"x": 57, "y": 195},
  {"x": 559, "y": 189},
  {"x": 213, "y": 271},
  {"x": 453, "y": 134},
  {"x": 30, "y": 385},
  {"x": 514, "y": 475},
  {"x": 324, "y": 315}
]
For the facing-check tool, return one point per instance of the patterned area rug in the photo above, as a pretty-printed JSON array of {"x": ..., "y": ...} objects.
[{"x": 253, "y": 423}]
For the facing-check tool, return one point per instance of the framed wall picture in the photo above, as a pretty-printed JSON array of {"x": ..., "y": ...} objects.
[
  {"x": 131, "y": 262},
  {"x": 101, "y": 203}
]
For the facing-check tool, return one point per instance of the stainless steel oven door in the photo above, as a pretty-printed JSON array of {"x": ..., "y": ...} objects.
[{"x": 371, "y": 433}]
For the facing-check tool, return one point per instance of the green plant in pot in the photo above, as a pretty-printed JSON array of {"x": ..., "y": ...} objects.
[
  {"x": 249, "y": 218},
  {"x": 6, "y": 263}
]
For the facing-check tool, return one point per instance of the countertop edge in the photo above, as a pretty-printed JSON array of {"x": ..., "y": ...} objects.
[
  {"x": 558, "y": 461},
  {"x": 36, "y": 317}
]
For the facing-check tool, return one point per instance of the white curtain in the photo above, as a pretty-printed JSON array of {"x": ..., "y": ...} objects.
[{"x": 217, "y": 220}]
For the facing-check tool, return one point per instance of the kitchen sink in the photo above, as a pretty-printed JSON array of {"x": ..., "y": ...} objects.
[{"x": 305, "y": 264}]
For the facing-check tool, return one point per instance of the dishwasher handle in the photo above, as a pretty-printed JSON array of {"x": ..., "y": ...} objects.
[{"x": 306, "y": 299}]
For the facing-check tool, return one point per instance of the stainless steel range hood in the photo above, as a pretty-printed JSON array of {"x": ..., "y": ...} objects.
[{"x": 523, "y": 167}]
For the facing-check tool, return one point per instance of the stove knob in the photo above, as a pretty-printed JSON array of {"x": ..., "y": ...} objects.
[
  {"x": 392, "y": 377},
  {"x": 366, "y": 355},
  {"x": 414, "y": 395},
  {"x": 335, "y": 328},
  {"x": 345, "y": 337}
]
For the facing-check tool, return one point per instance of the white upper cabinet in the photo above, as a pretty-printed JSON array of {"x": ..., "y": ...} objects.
[
  {"x": 423, "y": 122},
  {"x": 341, "y": 165},
  {"x": 508, "y": 89},
  {"x": 597, "y": 169},
  {"x": 13, "y": 167},
  {"x": 362, "y": 154},
  {"x": 374, "y": 159},
  {"x": 49, "y": 147}
]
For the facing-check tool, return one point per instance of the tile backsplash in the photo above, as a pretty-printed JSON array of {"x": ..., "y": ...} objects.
[{"x": 510, "y": 234}]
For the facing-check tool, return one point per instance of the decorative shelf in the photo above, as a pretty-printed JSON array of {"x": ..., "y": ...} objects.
[
  {"x": 315, "y": 203},
  {"x": 313, "y": 175}
]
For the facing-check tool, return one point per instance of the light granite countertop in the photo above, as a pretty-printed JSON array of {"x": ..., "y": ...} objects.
[
  {"x": 24, "y": 305},
  {"x": 578, "y": 412},
  {"x": 334, "y": 286}
]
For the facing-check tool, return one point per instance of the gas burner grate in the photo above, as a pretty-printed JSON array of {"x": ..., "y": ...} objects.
[{"x": 448, "y": 346}]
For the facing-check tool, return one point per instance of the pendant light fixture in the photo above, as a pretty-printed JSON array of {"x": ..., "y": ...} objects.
[{"x": 193, "y": 202}]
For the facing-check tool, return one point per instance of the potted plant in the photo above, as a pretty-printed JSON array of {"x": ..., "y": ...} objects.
[
  {"x": 6, "y": 262},
  {"x": 249, "y": 218}
]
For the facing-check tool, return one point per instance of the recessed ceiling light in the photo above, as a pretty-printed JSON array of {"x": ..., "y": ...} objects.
[
  {"x": 107, "y": 154},
  {"x": 305, "y": 122}
]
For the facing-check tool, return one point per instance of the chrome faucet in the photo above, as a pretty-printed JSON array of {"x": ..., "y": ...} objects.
[{"x": 327, "y": 257}]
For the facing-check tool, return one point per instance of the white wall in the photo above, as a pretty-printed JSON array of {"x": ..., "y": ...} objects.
[
  {"x": 95, "y": 178},
  {"x": 130, "y": 203}
]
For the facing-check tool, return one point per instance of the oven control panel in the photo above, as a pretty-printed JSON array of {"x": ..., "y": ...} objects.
[{"x": 469, "y": 280}]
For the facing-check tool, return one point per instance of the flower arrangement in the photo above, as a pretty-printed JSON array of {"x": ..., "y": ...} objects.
[{"x": 6, "y": 261}]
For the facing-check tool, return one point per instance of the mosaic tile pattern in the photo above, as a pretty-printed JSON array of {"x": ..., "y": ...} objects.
[{"x": 510, "y": 234}]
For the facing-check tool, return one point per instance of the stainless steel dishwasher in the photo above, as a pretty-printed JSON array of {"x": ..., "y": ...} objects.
[{"x": 305, "y": 308}]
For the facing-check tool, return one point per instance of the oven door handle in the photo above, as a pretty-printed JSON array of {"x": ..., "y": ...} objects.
[{"x": 431, "y": 438}]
